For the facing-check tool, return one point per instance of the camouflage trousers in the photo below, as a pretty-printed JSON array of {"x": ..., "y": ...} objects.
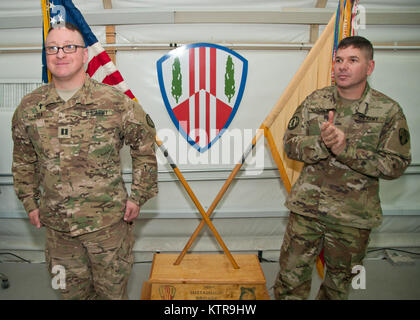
[
  {"x": 96, "y": 265},
  {"x": 344, "y": 248}
]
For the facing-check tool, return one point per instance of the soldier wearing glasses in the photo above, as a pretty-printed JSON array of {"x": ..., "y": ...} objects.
[{"x": 66, "y": 168}]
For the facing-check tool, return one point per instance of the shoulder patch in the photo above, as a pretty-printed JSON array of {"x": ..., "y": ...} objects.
[
  {"x": 149, "y": 121},
  {"x": 293, "y": 123},
  {"x": 404, "y": 136}
]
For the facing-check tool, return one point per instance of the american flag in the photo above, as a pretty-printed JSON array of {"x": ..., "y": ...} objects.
[{"x": 100, "y": 66}]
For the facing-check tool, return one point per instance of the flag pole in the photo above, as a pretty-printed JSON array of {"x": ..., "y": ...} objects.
[
  {"x": 46, "y": 25},
  {"x": 199, "y": 207},
  {"x": 219, "y": 196},
  {"x": 299, "y": 74},
  {"x": 264, "y": 128},
  {"x": 276, "y": 156}
]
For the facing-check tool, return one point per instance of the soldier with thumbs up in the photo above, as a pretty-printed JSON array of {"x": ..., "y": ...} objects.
[{"x": 348, "y": 136}]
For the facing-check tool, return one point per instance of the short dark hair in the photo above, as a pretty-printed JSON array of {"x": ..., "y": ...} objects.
[
  {"x": 67, "y": 25},
  {"x": 357, "y": 42}
]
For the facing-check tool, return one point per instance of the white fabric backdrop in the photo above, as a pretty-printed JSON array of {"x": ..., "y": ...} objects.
[{"x": 251, "y": 216}]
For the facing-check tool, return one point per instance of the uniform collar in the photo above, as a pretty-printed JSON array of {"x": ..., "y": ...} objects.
[
  {"x": 361, "y": 105},
  {"x": 82, "y": 96}
]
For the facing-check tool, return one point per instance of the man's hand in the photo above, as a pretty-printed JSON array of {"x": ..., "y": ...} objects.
[
  {"x": 34, "y": 218},
  {"x": 334, "y": 138},
  {"x": 132, "y": 211}
]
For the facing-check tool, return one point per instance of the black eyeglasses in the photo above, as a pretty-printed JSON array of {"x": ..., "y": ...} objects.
[{"x": 70, "y": 48}]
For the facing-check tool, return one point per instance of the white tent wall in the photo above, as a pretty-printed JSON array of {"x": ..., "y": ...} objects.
[{"x": 251, "y": 215}]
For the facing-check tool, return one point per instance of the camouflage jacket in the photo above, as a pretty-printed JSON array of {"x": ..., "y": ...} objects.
[
  {"x": 344, "y": 189},
  {"x": 67, "y": 154}
]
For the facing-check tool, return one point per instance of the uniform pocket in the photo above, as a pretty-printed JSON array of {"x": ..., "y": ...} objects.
[
  {"x": 43, "y": 133},
  {"x": 75, "y": 136},
  {"x": 365, "y": 133},
  {"x": 315, "y": 118},
  {"x": 105, "y": 143}
]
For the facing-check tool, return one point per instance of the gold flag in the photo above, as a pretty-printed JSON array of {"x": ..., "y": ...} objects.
[{"x": 314, "y": 73}]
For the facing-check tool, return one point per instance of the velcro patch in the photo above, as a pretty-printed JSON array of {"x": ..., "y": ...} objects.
[
  {"x": 150, "y": 121},
  {"x": 404, "y": 136},
  {"x": 64, "y": 132},
  {"x": 293, "y": 123}
]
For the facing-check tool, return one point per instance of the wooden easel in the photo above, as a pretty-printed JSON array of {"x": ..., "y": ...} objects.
[
  {"x": 170, "y": 277},
  {"x": 206, "y": 216},
  {"x": 205, "y": 276}
]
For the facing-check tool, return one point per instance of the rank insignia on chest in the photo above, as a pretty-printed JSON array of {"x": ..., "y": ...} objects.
[
  {"x": 64, "y": 132},
  {"x": 41, "y": 108}
]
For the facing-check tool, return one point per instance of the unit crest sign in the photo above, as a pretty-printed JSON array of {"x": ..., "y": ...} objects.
[{"x": 202, "y": 86}]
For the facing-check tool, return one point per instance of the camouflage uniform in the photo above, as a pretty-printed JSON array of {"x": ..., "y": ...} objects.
[
  {"x": 340, "y": 190},
  {"x": 67, "y": 154},
  {"x": 110, "y": 256}
]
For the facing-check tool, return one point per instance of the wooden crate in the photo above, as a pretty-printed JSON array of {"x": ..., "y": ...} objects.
[{"x": 205, "y": 277}]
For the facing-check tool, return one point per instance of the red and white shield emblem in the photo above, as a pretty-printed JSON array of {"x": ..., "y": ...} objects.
[{"x": 202, "y": 86}]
